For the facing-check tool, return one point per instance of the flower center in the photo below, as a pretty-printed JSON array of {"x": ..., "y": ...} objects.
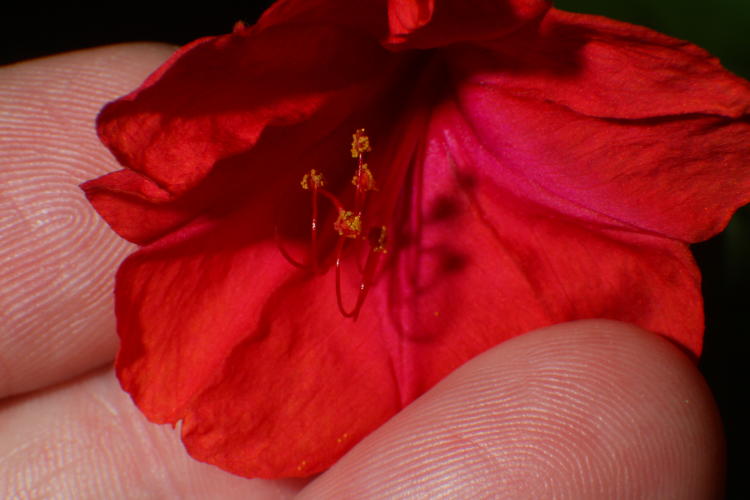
[{"x": 350, "y": 225}]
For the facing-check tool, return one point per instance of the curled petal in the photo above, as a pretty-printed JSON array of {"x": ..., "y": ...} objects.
[
  {"x": 600, "y": 67},
  {"x": 434, "y": 23},
  {"x": 630, "y": 133},
  {"x": 234, "y": 350},
  {"x": 216, "y": 96},
  {"x": 137, "y": 208}
]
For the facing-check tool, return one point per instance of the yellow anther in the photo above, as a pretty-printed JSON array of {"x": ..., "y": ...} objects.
[
  {"x": 378, "y": 238},
  {"x": 364, "y": 179},
  {"x": 312, "y": 179},
  {"x": 360, "y": 143},
  {"x": 348, "y": 224}
]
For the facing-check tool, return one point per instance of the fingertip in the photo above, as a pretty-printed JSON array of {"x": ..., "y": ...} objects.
[
  {"x": 591, "y": 409},
  {"x": 59, "y": 257}
]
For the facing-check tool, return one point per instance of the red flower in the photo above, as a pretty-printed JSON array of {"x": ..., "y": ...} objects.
[{"x": 529, "y": 166}]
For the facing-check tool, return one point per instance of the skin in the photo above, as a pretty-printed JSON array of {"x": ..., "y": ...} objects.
[{"x": 591, "y": 409}]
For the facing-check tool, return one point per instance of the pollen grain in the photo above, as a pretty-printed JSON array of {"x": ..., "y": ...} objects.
[
  {"x": 360, "y": 143},
  {"x": 348, "y": 224},
  {"x": 313, "y": 179},
  {"x": 364, "y": 180}
]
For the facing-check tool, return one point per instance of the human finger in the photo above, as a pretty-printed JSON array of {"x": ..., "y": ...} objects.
[
  {"x": 592, "y": 409},
  {"x": 58, "y": 258},
  {"x": 86, "y": 439}
]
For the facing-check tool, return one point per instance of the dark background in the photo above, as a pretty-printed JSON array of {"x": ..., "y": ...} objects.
[{"x": 720, "y": 26}]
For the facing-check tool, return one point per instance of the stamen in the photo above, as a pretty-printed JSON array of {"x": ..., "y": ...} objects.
[
  {"x": 377, "y": 238},
  {"x": 363, "y": 179},
  {"x": 349, "y": 225},
  {"x": 360, "y": 143},
  {"x": 286, "y": 254},
  {"x": 368, "y": 274},
  {"x": 313, "y": 180}
]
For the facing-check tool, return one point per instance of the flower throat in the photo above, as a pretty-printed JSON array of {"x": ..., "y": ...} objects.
[{"x": 350, "y": 224}]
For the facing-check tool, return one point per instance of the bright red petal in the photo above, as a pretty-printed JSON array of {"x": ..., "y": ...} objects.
[
  {"x": 271, "y": 381},
  {"x": 218, "y": 122},
  {"x": 562, "y": 136},
  {"x": 600, "y": 67},
  {"x": 216, "y": 96},
  {"x": 422, "y": 24},
  {"x": 551, "y": 170},
  {"x": 218, "y": 330},
  {"x": 300, "y": 390},
  {"x": 136, "y": 207},
  {"x": 486, "y": 263},
  {"x": 185, "y": 301}
]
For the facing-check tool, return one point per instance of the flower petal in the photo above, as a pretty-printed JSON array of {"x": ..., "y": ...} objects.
[
  {"x": 421, "y": 24},
  {"x": 485, "y": 264},
  {"x": 146, "y": 204},
  {"x": 214, "y": 98},
  {"x": 179, "y": 314},
  {"x": 136, "y": 207},
  {"x": 600, "y": 67},
  {"x": 272, "y": 381},
  {"x": 303, "y": 387},
  {"x": 220, "y": 331},
  {"x": 171, "y": 292},
  {"x": 681, "y": 174},
  {"x": 535, "y": 196}
]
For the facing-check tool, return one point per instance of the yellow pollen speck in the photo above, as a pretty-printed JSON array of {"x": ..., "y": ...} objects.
[
  {"x": 343, "y": 438},
  {"x": 314, "y": 178},
  {"x": 348, "y": 224},
  {"x": 302, "y": 465},
  {"x": 379, "y": 244},
  {"x": 360, "y": 143},
  {"x": 365, "y": 181}
]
